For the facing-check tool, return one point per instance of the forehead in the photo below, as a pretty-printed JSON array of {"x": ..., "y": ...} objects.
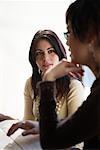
[{"x": 43, "y": 43}]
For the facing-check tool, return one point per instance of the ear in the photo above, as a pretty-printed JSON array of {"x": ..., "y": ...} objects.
[
  {"x": 91, "y": 46},
  {"x": 92, "y": 40}
]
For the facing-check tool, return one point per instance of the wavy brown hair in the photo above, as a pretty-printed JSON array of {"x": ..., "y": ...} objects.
[{"x": 62, "y": 84}]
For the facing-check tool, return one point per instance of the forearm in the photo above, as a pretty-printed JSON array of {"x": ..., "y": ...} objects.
[
  {"x": 48, "y": 118},
  {"x": 5, "y": 117},
  {"x": 52, "y": 133}
]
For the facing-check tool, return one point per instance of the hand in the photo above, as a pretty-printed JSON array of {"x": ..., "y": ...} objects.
[
  {"x": 4, "y": 117},
  {"x": 77, "y": 75},
  {"x": 30, "y": 127},
  {"x": 61, "y": 69}
]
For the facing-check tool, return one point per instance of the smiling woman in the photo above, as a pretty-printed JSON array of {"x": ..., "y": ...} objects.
[{"x": 45, "y": 55}]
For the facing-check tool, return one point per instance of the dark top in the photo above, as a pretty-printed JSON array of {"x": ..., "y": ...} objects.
[{"x": 83, "y": 125}]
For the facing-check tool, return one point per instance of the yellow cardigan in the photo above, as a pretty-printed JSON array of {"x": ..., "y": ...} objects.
[{"x": 72, "y": 101}]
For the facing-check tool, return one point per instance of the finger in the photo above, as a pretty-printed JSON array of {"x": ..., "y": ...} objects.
[
  {"x": 12, "y": 129},
  {"x": 72, "y": 70},
  {"x": 31, "y": 131},
  {"x": 71, "y": 74}
]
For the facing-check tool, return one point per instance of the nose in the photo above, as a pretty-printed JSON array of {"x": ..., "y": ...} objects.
[
  {"x": 46, "y": 57},
  {"x": 67, "y": 41}
]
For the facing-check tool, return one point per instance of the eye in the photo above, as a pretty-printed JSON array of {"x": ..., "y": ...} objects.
[
  {"x": 52, "y": 50},
  {"x": 66, "y": 34},
  {"x": 39, "y": 53}
]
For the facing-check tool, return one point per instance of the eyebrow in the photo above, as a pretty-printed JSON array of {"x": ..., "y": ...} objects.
[
  {"x": 46, "y": 49},
  {"x": 50, "y": 48}
]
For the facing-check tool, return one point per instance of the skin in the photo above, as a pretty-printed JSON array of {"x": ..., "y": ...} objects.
[
  {"x": 97, "y": 59},
  {"x": 46, "y": 57},
  {"x": 30, "y": 127},
  {"x": 80, "y": 52},
  {"x": 61, "y": 69},
  {"x": 4, "y": 117}
]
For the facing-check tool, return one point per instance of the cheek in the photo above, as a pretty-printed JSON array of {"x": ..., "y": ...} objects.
[
  {"x": 55, "y": 59},
  {"x": 75, "y": 55},
  {"x": 39, "y": 63}
]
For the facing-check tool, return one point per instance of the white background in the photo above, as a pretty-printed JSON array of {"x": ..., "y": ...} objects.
[{"x": 19, "y": 21}]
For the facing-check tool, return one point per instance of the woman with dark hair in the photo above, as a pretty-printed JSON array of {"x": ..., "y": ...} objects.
[
  {"x": 46, "y": 51},
  {"x": 83, "y": 39}
]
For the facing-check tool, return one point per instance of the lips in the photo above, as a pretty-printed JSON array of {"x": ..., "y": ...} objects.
[{"x": 47, "y": 66}]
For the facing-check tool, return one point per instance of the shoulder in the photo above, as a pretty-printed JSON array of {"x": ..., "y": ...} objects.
[
  {"x": 76, "y": 87},
  {"x": 75, "y": 83},
  {"x": 76, "y": 92},
  {"x": 28, "y": 86},
  {"x": 28, "y": 81}
]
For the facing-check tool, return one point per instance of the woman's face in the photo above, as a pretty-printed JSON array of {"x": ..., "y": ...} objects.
[
  {"x": 45, "y": 55},
  {"x": 79, "y": 50}
]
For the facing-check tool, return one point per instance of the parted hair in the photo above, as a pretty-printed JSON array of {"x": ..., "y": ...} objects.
[{"x": 62, "y": 84}]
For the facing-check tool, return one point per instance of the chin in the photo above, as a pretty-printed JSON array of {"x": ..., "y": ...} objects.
[{"x": 45, "y": 70}]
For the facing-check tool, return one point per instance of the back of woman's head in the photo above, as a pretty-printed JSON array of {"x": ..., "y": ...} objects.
[{"x": 84, "y": 16}]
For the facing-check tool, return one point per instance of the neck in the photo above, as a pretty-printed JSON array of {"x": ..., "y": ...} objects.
[{"x": 95, "y": 69}]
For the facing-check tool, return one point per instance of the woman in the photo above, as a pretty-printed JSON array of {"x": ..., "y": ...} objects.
[
  {"x": 46, "y": 51},
  {"x": 83, "y": 39}
]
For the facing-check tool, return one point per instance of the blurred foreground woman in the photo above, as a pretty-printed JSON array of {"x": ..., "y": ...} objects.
[{"x": 83, "y": 39}]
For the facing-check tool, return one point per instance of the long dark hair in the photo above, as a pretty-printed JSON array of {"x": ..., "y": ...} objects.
[
  {"x": 84, "y": 16},
  {"x": 62, "y": 84}
]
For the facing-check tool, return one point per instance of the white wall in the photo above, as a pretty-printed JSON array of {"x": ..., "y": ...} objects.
[{"x": 19, "y": 20}]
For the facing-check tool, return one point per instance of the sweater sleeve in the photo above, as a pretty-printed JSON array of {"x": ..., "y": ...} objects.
[
  {"x": 28, "y": 101},
  {"x": 70, "y": 131},
  {"x": 75, "y": 96}
]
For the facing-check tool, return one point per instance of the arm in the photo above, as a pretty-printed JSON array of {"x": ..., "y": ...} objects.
[
  {"x": 30, "y": 127},
  {"x": 75, "y": 96},
  {"x": 5, "y": 117},
  {"x": 28, "y": 101},
  {"x": 70, "y": 131},
  {"x": 79, "y": 127}
]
